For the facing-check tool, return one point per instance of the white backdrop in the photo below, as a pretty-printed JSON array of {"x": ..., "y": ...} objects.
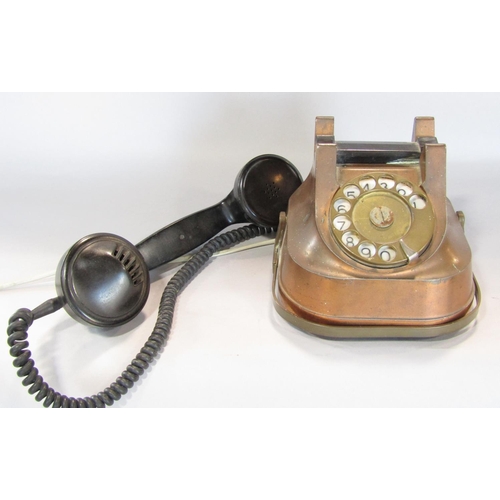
[{"x": 75, "y": 164}]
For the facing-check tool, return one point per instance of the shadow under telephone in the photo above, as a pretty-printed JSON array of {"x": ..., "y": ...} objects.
[{"x": 368, "y": 246}]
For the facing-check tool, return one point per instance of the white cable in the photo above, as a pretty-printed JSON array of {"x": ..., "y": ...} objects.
[
  {"x": 173, "y": 263},
  {"x": 13, "y": 284},
  {"x": 250, "y": 246}
]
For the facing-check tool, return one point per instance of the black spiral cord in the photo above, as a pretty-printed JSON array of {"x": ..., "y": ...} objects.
[{"x": 23, "y": 319}]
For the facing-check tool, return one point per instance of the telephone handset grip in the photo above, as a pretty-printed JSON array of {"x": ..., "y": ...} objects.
[{"x": 190, "y": 232}]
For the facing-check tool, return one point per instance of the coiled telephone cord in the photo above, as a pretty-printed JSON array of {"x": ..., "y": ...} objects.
[{"x": 20, "y": 322}]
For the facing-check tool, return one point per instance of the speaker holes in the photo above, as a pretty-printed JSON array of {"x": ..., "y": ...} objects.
[
  {"x": 129, "y": 264},
  {"x": 271, "y": 190}
]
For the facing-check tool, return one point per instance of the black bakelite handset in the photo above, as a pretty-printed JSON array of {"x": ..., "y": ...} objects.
[{"x": 104, "y": 279}]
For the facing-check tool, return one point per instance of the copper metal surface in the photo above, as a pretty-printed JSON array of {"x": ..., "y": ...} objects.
[{"x": 318, "y": 281}]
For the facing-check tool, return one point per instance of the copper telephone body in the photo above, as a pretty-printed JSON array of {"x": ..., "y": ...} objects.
[{"x": 371, "y": 247}]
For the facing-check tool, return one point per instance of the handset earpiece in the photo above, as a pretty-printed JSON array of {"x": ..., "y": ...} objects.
[{"x": 104, "y": 279}]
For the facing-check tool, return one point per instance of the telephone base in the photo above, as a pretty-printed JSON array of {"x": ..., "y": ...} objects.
[
  {"x": 371, "y": 247},
  {"x": 376, "y": 332}
]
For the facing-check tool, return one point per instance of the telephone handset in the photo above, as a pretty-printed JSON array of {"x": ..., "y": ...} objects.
[
  {"x": 371, "y": 247},
  {"x": 104, "y": 279}
]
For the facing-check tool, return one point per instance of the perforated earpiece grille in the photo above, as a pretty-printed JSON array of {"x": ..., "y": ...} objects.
[
  {"x": 130, "y": 264},
  {"x": 272, "y": 190}
]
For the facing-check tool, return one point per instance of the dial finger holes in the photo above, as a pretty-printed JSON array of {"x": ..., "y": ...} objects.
[
  {"x": 342, "y": 206},
  {"x": 387, "y": 253},
  {"x": 367, "y": 183},
  {"x": 341, "y": 223},
  {"x": 374, "y": 211},
  {"x": 418, "y": 202},
  {"x": 351, "y": 191},
  {"x": 404, "y": 189},
  {"x": 367, "y": 250},
  {"x": 386, "y": 182},
  {"x": 350, "y": 239}
]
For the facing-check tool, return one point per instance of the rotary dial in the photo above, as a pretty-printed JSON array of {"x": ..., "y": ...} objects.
[{"x": 382, "y": 220}]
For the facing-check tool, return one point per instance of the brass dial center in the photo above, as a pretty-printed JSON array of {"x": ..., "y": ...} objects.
[{"x": 381, "y": 217}]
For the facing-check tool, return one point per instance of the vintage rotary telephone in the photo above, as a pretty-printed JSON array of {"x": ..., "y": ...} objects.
[{"x": 370, "y": 247}]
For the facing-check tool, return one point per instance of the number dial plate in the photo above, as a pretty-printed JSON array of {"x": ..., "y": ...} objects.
[{"x": 382, "y": 220}]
